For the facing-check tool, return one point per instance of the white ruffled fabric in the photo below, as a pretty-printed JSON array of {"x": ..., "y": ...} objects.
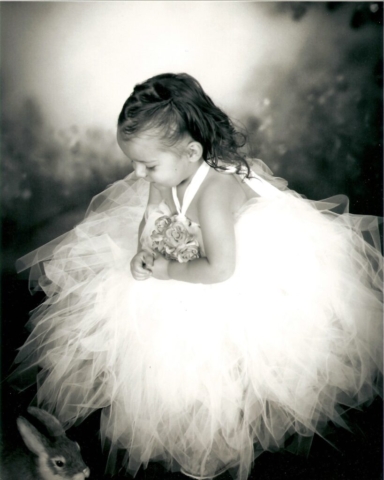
[{"x": 205, "y": 377}]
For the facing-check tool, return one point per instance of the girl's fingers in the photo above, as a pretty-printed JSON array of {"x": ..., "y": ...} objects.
[
  {"x": 141, "y": 279},
  {"x": 142, "y": 265},
  {"x": 149, "y": 260},
  {"x": 141, "y": 274}
]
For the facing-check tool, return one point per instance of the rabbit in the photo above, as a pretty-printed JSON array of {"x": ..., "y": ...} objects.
[{"x": 50, "y": 458}]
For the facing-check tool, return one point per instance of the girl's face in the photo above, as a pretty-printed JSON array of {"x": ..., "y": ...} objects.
[{"x": 155, "y": 162}]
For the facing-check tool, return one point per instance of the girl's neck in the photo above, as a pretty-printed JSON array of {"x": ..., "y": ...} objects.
[{"x": 192, "y": 171}]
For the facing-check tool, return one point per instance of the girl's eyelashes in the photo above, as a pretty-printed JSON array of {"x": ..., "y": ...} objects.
[{"x": 148, "y": 168}]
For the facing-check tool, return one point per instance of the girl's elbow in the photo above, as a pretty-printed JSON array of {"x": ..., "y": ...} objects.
[
  {"x": 223, "y": 272},
  {"x": 224, "y": 277}
]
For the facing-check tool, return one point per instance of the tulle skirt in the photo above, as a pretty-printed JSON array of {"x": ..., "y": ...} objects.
[{"x": 205, "y": 377}]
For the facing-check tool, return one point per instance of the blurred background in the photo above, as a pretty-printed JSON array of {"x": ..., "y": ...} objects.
[{"x": 304, "y": 79}]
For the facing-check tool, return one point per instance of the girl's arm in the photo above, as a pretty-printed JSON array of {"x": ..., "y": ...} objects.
[{"x": 217, "y": 227}]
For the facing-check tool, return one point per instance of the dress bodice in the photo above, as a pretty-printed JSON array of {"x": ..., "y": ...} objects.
[
  {"x": 176, "y": 236},
  {"x": 256, "y": 183},
  {"x": 191, "y": 190}
]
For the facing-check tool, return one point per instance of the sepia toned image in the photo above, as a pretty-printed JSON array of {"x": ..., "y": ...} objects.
[{"x": 191, "y": 201}]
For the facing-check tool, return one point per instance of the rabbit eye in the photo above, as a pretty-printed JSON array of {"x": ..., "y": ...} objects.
[{"x": 59, "y": 463}]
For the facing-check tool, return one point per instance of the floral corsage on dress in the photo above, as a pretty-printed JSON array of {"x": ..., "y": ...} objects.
[{"x": 173, "y": 236}]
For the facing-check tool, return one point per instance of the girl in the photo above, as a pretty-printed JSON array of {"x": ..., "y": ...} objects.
[{"x": 246, "y": 315}]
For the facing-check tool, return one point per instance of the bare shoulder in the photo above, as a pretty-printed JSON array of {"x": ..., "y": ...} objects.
[
  {"x": 223, "y": 182},
  {"x": 222, "y": 188}
]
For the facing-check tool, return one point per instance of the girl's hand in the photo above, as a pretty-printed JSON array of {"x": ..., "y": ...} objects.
[
  {"x": 142, "y": 265},
  {"x": 160, "y": 268}
]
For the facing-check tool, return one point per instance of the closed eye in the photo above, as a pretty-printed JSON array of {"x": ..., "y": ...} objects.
[{"x": 148, "y": 168}]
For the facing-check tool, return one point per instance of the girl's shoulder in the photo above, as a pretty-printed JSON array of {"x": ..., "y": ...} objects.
[{"x": 227, "y": 188}]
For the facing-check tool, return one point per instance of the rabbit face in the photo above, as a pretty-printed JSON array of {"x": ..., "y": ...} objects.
[
  {"x": 58, "y": 458},
  {"x": 63, "y": 461}
]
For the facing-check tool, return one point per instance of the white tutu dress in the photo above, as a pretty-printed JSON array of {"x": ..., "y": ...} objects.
[{"x": 205, "y": 377}]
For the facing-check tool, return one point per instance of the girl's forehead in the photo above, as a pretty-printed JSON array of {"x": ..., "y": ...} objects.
[
  {"x": 141, "y": 146},
  {"x": 146, "y": 145}
]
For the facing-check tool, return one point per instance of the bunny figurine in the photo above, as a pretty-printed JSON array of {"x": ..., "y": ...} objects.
[{"x": 52, "y": 457}]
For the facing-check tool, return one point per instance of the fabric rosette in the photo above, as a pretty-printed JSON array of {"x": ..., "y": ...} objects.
[
  {"x": 187, "y": 252},
  {"x": 173, "y": 237}
]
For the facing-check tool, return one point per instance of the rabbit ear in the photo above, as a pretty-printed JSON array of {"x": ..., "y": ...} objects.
[
  {"x": 33, "y": 439},
  {"x": 54, "y": 427}
]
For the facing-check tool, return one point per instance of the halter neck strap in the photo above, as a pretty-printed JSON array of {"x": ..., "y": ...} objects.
[
  {"x": 262, "y": 187},
  {"x": 191, "y": 190}
]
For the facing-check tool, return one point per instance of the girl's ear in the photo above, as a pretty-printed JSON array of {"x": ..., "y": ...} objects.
[{"x": 194, "y": 151}]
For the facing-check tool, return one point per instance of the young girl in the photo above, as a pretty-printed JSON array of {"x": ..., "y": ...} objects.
[{"x": 211, "y": 312}]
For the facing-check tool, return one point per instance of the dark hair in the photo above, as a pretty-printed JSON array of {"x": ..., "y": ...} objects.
[{"x": 177, "y": 105}]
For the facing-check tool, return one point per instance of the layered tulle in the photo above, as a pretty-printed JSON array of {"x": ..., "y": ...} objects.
[{"x": 205, "y": 377}]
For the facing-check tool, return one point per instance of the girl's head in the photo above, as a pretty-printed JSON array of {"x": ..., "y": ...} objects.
[{"x": 174, "y": 108}]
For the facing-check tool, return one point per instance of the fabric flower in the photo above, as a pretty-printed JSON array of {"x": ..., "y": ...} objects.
[
  {"x": 187, "y": 252},
  {"x": 175, "y": 238},
  {"x": 157, "y": 242},
  {"x": 176, "y": 235},
  {"x": 192, "y": 227},
  {"x": 162, "y": 223},
  {"x": 169, "y": 250}
]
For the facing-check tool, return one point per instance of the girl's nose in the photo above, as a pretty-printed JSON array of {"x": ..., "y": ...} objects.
[{"x": 140, "y": 170}]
